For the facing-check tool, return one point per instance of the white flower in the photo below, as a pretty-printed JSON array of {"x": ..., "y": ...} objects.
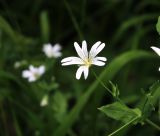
[
  {"x": 157, "y": 50},
  {"x": 44, "y": 101},
  {"x": 17, "y": 64},
  {"x": 85, "y": 59},
  {"x": 33, "y": 73},
  {"x": 52, "y": 51}
]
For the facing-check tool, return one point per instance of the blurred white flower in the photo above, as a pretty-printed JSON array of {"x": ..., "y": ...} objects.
[
  {"x": 44, "y": 101},
  {"x": 33, "y": 73},
  {"x": 85, "y": 59},
  {"x": 157, "y": 50},
  {"x": 52, "y": 51},
  {"x": 17, "y": 64}
]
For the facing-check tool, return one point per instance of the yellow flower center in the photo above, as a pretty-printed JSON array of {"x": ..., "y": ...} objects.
[
  {"x": 36, "y": 75},
  {"x": 88, "y": 62}
]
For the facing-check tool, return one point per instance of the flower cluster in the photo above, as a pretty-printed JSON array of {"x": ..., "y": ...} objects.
[
  {"x": 34, "y": 73},
  {"x": 84, "y": 60}
]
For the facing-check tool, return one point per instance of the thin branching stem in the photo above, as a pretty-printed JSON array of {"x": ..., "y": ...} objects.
[
  {"x": 125, "y": 125},
  {"x": 101, "y": 82},
  {"x": 76, "y": 25},
  {"x": 153, "y": 124}
]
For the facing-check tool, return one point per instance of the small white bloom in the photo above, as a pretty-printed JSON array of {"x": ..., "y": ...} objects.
[
  {"x": 33, "y": 73},
  {"x": 52, "y": 51},
  {"x": 157, "y": 50},
  {"x": 44, "y": 101},
  {"x": 17, "y": 64},
  {"x": 85, "y": 59}
]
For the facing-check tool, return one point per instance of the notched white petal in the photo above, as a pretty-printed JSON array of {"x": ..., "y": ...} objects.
[
  {"x": 71, "y": 61},
  {"x": 86, "y": 72},
  {"x": 79, "y": 50},
  {"x": 79, "y": 72},
  {"x": 98, "y": 63},
  {"x": 101, "y": 58},
  {"x": 93, "y": 49},
  {"x": 99, "y": 49},
  {"x": 157, "y": 50},
  {"x": 84, "y": 49}
]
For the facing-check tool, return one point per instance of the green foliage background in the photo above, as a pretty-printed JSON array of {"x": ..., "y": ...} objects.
[{"x": 128, "y": 27}]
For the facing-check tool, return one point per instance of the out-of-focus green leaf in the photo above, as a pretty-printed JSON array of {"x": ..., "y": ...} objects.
[
  {"x": 158, "y": 25},
  {"x": 59, "y": 106},
  {"x": 44, "y": 20},
  {"x": 150, "y": 100},
  {"x": 16, "y": 125},
  {"x": 109, "y": 72},
  {"x": 115, "y": 90},
  {"x": 16, "y": 37},
  {"x": 120, "y": 112},
  {"x": 131, "y": 22}
]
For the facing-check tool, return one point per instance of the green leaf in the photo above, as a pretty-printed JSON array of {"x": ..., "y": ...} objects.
[
  {"x": 120, "y": 112},
  {"x": 150, "y": 100},
  {"x": 59, "y": 106},
  {"x": 15, "y": 37},
  {"x": 45, "y": 26},
  {"x": 109, "y": 72},
  {"x": 158, "y": 25},
  {"x": 115, "y": 90},
  {"x": 132, "y": 22}
]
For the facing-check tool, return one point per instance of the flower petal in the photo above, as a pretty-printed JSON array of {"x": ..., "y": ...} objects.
[
  {"x": 98, "y": 63},
  {"x": 79, "y": 50},
  {"x": 82, "y": 69},
  {"x": 101, "y": 58},
  {"x": 79, "y": 72},
  {"x": 96, "y": 48},
  {"x": 71, "y": 61},
  {"x": 86, "y": 72},
  {"x": 57, "y": 47},
  {"x": 84, "y": 49},
  {"x": 99, "y": 49},
  {"x": 93, "y": 49},
  {"x": 44, "y": 101},
  {"x": 32, "y": 78},
  {"x": 57, "y": 54},
  {"x": 157, "y": 50},
  {"x": 32, "y": 69},
  {"x": 41, "y": 70},
  {"x": 26, "y": 73}
]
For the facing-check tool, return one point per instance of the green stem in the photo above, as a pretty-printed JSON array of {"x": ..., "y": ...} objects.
[
  {"x": 76, "y": 25},
  {"x": 127, "y": 124},
  {"x": 102, "y": 83},
  {"x": 153, "y": 124},
  {"x": 118, "y": 99}
]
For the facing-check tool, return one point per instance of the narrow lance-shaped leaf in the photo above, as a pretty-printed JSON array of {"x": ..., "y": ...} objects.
[{"x": 158, "y": 25}]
